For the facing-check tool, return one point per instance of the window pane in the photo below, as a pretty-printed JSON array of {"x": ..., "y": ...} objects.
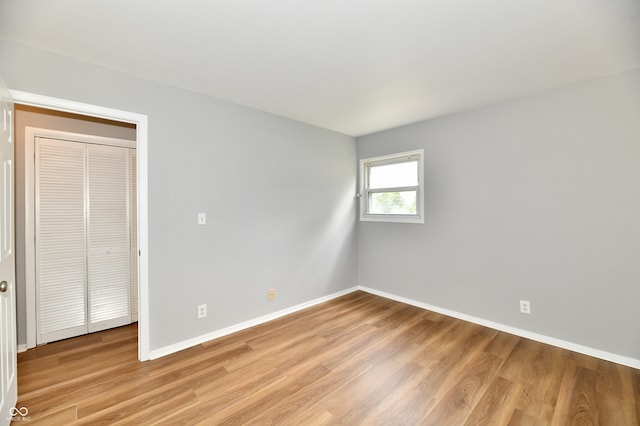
[
  {"x": 393, "y": 175},
  {"x": 403, "y": 202}
]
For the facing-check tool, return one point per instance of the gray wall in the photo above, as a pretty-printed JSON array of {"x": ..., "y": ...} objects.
[
  {"x": 34, "y": 117},
  {"x": 537, "y": 199},
  {"x": 278, "y": 196}
]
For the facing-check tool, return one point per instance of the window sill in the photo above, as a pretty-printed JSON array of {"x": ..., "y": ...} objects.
[{"x": 392, "y": 219}]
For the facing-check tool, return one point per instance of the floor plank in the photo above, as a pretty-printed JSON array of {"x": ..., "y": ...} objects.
[{"x": 358, "y": 359}]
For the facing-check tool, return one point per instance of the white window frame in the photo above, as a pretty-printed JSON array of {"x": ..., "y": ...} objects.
[{"x": 367, "y": 163}]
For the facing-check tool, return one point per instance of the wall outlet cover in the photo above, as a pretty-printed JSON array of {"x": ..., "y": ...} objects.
[{"x": 202, "y": 311}]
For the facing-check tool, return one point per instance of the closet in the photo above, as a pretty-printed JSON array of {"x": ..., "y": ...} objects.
[{"x": 85, "y": 248}]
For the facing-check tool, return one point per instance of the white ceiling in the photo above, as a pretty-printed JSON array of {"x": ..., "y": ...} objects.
[{"x": 354, "y": 66}]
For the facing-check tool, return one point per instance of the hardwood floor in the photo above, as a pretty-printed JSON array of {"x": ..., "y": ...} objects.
[{"x": 359, "y": 359}]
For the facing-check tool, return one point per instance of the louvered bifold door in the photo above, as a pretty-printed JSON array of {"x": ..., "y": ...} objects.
[
  {"x": 108, "y": 237},
  {"x": 60, "y": 240},
  {"x": 133, "y": 215}
]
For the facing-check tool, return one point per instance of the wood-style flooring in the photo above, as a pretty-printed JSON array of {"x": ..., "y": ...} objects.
[{"x": 356, "y": 360}]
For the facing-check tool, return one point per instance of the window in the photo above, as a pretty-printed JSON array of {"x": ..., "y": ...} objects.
[{"x": 391, "y": 188}]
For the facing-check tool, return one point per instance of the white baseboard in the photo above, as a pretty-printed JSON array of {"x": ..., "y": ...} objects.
[
  {"x": 22, "y": 348},
  {"x": 157, "y": 353},
  {"x": 597, "y": 353}
]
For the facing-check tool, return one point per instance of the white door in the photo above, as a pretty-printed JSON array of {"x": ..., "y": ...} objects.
[
  {"x": 134, "y": 235},
  {"x": 61, "y": 248},
  {"x": 8, "y": 357},
  {"x": 82, "y": 210},
  {"x": 109, "y": 242}
]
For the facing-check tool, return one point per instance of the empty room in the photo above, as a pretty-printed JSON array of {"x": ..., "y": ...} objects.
[{"x": 307, "y": 213}]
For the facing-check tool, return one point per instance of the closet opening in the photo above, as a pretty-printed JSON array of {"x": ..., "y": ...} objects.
[{"x": 76, "y": 213}]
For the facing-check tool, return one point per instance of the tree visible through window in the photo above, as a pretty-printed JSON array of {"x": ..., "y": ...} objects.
[
  {"x": 393, "y": 203},
  {"x": 391, "y": 188}
]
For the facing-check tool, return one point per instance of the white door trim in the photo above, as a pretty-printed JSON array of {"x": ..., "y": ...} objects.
[{"x": 141, "y": 122}]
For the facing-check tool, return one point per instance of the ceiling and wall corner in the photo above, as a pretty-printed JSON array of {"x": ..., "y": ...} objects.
[{"x": 355, "y": 66}]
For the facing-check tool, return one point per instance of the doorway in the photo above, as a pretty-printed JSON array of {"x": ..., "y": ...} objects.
[{"x": 137, "y": 124}]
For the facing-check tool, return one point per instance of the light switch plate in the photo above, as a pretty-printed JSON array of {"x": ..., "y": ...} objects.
[{"x": 202, "y": 218}]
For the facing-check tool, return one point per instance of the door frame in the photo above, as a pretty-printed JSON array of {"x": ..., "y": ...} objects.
[{"x": 141, "y": 122}]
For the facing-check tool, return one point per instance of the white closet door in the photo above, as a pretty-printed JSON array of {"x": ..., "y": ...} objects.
[
  {"x": 134, "y": 235},
  {"x": 60, "y": 239},
  {"x": 109, "y": 243}
]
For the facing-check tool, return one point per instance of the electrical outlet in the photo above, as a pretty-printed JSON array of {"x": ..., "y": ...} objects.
[
  {"x": 202, "y": 311},
  {"x": 202, "y": 218},
  {"x": 272, "y": 294},
  {"x": 525, "y": 307}
]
